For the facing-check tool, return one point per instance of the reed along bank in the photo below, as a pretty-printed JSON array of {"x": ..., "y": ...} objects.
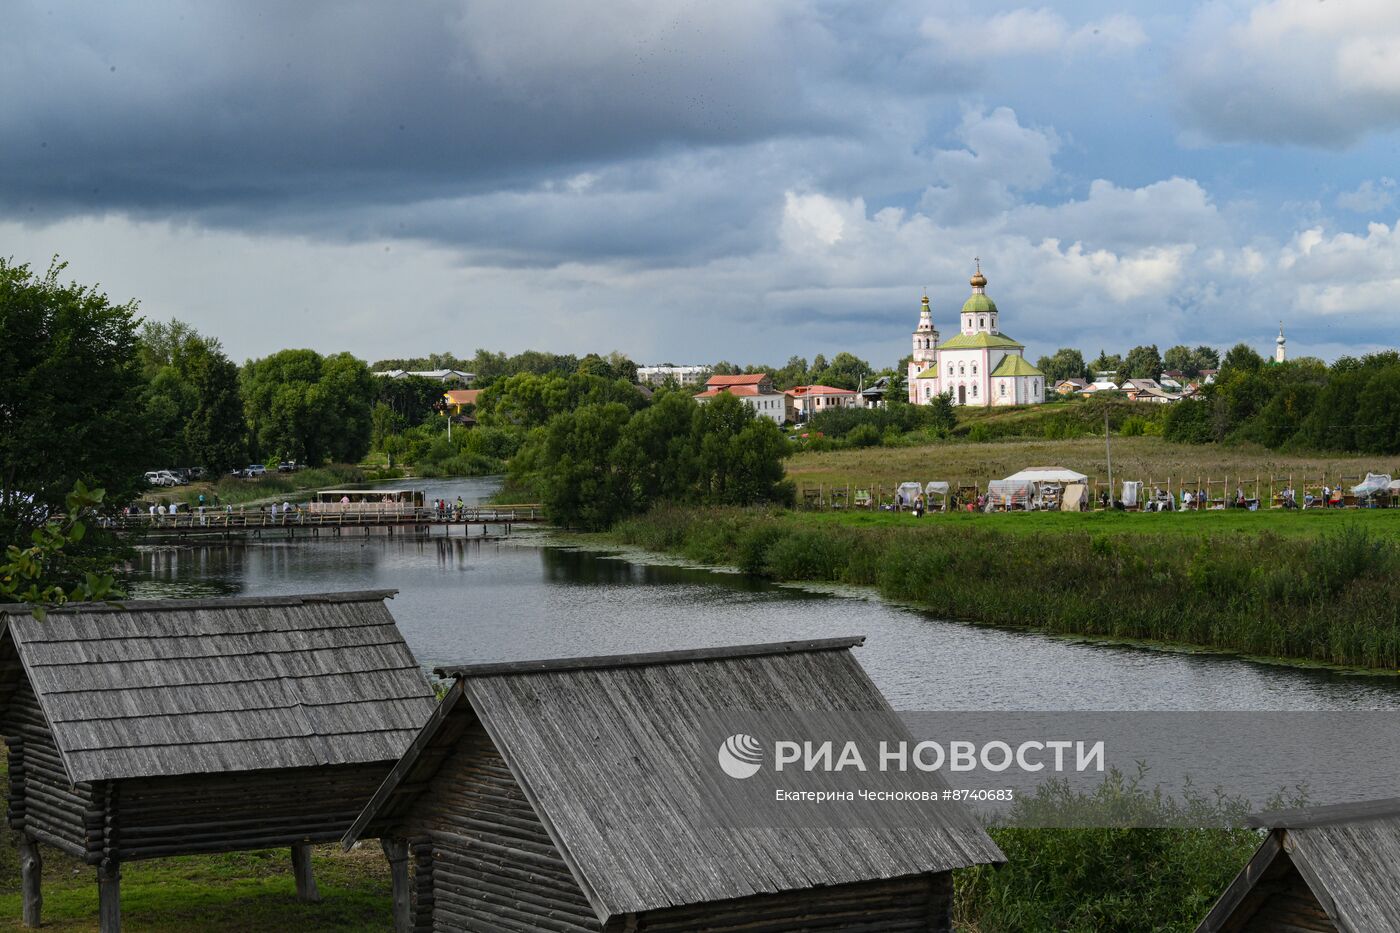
[{"x": 1330, "y": 596}]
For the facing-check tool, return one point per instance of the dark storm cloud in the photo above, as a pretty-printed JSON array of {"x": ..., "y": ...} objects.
[{"x": 276, "y": 107}]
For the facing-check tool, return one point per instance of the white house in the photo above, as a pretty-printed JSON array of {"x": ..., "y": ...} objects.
[
  {"x": 811, "y": 400},
  {"x": 438, "y": 375},
  {"x": 684, "y": 375},
  {"x": 978, "y": 366},
  {"x": 755, "y": 390}
]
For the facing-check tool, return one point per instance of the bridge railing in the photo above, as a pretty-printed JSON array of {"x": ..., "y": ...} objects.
[{"x": 223, "y": 519}]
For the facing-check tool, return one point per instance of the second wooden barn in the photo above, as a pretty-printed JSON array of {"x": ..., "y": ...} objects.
[
  {"x": 558, "y": 796},
  {"x": 1320, "y": 870},
  {"x": 175, "y": 727}
]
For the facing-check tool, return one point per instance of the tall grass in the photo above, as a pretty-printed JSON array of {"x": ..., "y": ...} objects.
[{"x": 1334, "y": 598}]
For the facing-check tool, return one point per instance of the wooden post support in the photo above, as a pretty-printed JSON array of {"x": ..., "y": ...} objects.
[
  {"x": 109, "y": 902},
  {"x": 301, "y": 871},
  {"x": 31, "y": 867},
  {"x": 396, "y": 851}
]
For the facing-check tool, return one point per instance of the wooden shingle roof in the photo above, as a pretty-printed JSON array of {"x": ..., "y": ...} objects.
[
  {"x": 168, "y": 687},
  {"x": 593, "y": 743},
  {"x": 1348, "y": 855}
]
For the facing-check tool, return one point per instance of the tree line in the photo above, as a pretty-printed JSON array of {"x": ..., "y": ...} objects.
[{"x": 1144, "y": 362}]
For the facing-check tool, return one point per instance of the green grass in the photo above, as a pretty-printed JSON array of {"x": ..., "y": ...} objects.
[
  {"x": 1171, "y": 526},
  {"x": 250, "y": 892}
]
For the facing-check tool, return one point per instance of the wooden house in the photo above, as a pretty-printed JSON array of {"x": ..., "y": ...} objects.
[
  {"x": 173, "y": 727},
  {"x": 1320, "y": 870},
  {"x": 550, "y": 795}
]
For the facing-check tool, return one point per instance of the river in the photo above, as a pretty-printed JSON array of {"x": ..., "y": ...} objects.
[{"x": 464, "y": 601}]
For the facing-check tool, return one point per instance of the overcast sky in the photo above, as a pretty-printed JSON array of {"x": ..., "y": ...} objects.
[{"x": 725, "y": 179}]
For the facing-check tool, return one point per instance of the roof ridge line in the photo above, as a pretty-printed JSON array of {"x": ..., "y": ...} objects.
[
  {"x": 221, "y": 602},
  {"x": 645, "y": 659}
]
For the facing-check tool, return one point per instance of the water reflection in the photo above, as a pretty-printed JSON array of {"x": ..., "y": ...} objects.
[{"x": 471, "y": 600}]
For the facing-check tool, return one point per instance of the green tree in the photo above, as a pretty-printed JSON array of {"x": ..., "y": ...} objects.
[
  {"x": 53, "y": 569},
  {"x": 1067, "y": 363},
  {"x": 738, "y": 455},
  {"x": 70, "y": 396},
  {"x": 1142, "y": 363},
  {"x": 1242, "y": 357},
  {"x": 1377, "y": 416},
  {"x": 595, "y": 365},
  {"x": 1179, "y": 358},
  {"x": 305, "y": 407},
  {"x": 1204, "y": 357},
  {"x": 585, "y": 486},
  {"x": 215, "y": 434},
  {"x": 413, "y": 399},
  {"x": 845, "y": 371},
  {"x": 1107, "y": 363}
]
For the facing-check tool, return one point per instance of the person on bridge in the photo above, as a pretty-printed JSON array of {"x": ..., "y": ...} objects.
[{"x": 461, "y": 508}]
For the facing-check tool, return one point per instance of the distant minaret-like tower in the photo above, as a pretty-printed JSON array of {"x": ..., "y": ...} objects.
[
  {"x": 1280, "y": 350},
  {"x": 925, "y": 347}
]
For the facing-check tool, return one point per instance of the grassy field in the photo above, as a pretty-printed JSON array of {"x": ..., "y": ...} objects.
[
  {"x": 1173, "y": 527},
  {"x": 243, "y": 891},
  {"x": 1149, "y": 459}
]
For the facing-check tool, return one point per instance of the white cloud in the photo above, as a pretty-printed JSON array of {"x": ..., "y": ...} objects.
[
  {"x": 1369, "y": 196},
  {"x": 1028, "y": 31},
  {"x": 1293, "y": 71},
  {"x": 1001, "y": 157}
]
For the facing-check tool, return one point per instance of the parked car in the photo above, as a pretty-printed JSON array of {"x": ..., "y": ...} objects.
[
  {"x": 154, "y": 478},
  {"x": 255, "y": 470},
  {"x": 168, "y": 478},
  {"x": 287, "y": 466}
]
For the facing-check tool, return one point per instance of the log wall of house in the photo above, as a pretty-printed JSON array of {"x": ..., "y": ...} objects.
[
  {"x": 1287, "y": 904},
  {"x": 484, "y": 861},
  {"x": 43, "y": 803},
  {"x": 918, "y": 904},
  {"x": 237, "y": 810}
]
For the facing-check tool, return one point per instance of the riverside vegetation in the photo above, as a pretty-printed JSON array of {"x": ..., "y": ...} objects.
[{"x": 1331, "y": 597}]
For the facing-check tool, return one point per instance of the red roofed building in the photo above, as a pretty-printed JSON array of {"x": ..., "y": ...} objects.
[
  {"x": 756, "y": 390},
  {"x": 810, "y": 400}
]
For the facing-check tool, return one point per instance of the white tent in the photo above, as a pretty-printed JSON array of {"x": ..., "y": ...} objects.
[
  {"x": 1132, "y": 493},
  {"x": 1009, "y": 493},
  {"x": 1373, "y": 485},
  {"x": 1047, "y": 475},
  {"x": 907, "y": 493},
  {"x": 936, "y": 488},
  {"x": 1074, "y": 498}
]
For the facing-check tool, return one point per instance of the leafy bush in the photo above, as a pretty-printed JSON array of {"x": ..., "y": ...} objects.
[{"x": 1111, "y": 877}]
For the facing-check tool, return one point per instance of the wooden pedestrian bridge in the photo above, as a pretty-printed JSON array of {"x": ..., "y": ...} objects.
[{"x": 364, "y": 520}]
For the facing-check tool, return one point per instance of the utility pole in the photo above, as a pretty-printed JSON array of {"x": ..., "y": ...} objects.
[{"x": 1108, "y": 450}]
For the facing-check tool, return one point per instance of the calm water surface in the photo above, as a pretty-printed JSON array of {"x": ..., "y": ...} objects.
[{"x": 464, "y": 601}]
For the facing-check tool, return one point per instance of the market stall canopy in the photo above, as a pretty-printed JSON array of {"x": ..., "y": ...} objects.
[
  {"x": 936, "y": 488},
  {"x": 1373, "y": 485},
  {"x": 908, "y": 492},
  {"x": 1047, "y": 475}
]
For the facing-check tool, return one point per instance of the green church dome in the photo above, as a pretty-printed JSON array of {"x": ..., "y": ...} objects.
[{"x": 978, "y": 302}]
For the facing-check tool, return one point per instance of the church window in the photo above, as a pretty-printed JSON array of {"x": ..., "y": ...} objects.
[
  {"x": 974, "y": 390},
  {"x": 1003, "y": 389},
  {"x": 982, "y": 322},
  {"x": 974, "y": 369},
  {"x": 950, "y": 369},
  {"x": 962, "y": 370}
]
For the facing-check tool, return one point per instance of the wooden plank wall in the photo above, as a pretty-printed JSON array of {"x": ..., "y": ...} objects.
[
  {"x": 918, "y": 904},
  {"x": 42, "y": 802},
  {"x": 483, "y": 858},
  {"x": 1287, "y": 906},
  {"x": 241, "y": 810}
]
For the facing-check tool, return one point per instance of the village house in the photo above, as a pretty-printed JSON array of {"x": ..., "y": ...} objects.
[
  {"x": 177, "y": 727},
  {"x": 575, "y": 795},
  {"x": 1070, "y": 386},
  {"x": 980, "y": 365},
  {"x": 754, "y": 390},
  {"x": 815, "y": 399},
  {"x": 458, "y": 400},
  {"x": 1330, "y": 869},
  {"x": 1173, "y": 379},
  {"x": 438, "y": 375},
  {"x": 682, "y": 375},
  {"x": 873, "y": 395}
]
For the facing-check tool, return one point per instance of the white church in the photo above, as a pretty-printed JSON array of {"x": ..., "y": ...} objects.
[{"x": 979, "y": 366}]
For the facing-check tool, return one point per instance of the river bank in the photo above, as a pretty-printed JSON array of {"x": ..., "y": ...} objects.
[{"x": 1329, "y": 598}]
